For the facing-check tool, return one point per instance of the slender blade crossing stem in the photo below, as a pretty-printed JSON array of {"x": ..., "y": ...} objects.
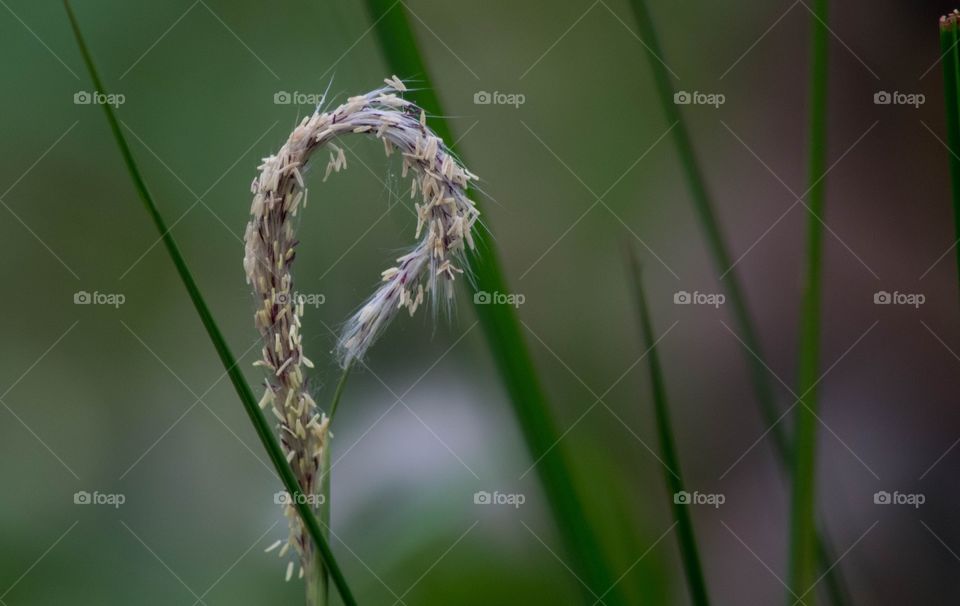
[
  {"x": 505, "y": 338},
  {"x": 668, "y": 451},
  {"x": 250, "y": 404},
  {"x": 802, "y": 524},
  {"x": 724, "y": 263}
]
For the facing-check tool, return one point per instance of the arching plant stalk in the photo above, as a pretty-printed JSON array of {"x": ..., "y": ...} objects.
[{"x": 446, "y": 217}]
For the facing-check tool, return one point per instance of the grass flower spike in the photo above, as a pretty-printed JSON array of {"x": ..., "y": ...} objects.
[{"x": 446, "y": 217}]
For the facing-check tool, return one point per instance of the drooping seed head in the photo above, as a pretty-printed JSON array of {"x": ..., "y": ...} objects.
[{"x": 445, "y": 220}]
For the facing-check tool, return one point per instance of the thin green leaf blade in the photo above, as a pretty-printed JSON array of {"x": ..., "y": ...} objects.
[
  {"x": 501, "y": 327},
  {"x": 673, "y": 476},
  {"x": 716, "y": 242},
  {"x": 723, "y": 262},
  {"x": 802, "y": 523},
  {"x": 230, "y": 363},
  {"x": 951, "y": 91}
]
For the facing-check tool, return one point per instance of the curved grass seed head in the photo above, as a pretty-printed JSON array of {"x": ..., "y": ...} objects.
[{"x": 445, "y": 219}]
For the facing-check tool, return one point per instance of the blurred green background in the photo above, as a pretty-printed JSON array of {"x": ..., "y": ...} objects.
[{"x": 132, "y": 400}]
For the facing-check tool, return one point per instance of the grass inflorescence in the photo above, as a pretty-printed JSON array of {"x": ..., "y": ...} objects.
[{"x": 445, "y": 223}]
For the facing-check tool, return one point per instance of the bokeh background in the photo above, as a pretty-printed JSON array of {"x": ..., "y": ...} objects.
[{"x": 131, "y": 400}]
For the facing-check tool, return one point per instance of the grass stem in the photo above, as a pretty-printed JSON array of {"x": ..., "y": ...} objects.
[
  {"x": 723, "y": 262},
  {"x": 716, "y": 242},
  {"x": 949, "y": 41},
  {"x": 802, "y": 523},
  {"x": 325, "y": 472},
  {"x": 338, "y": 393},
  {"x": 501, "y": 327},
  {"x": 673, "y": 476}
]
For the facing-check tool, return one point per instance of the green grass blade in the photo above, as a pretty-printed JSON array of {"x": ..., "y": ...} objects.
[
  {"x": 325, "y": 479},
  {"x": 504, "y": 336},
  {"x": 338, "y": 392},
  {"x": 951, "y": 91},
  {"x": 672, "y": 473},
  {"x": 716, "y": 243},
  {"x": 249, "y": 401},
  {"x": 719, "y": 251},
  {"x": 802, "y": 526}
]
